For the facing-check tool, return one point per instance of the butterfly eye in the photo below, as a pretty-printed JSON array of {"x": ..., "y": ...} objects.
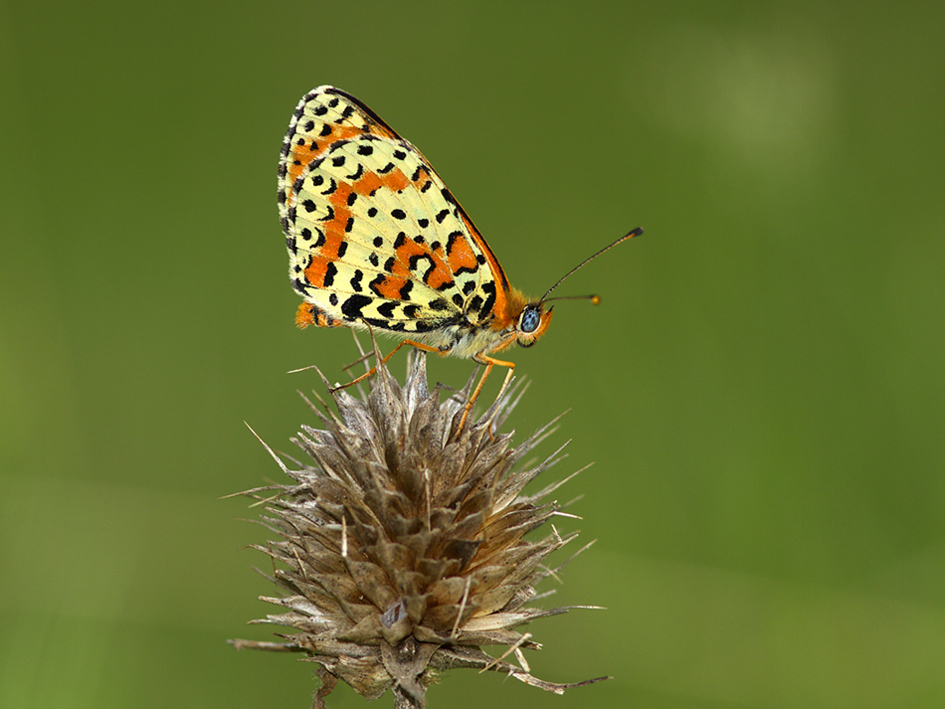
[{"x": 530, "y": 320}]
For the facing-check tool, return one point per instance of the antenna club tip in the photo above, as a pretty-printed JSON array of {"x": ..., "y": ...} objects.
[{"x": 595, "y": 299}]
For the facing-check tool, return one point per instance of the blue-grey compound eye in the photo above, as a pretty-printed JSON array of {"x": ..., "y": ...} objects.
[{"x": 530, "y": 321}]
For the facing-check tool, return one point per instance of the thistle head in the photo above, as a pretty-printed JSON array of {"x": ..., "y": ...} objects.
[{"x": 401, "y": 547}]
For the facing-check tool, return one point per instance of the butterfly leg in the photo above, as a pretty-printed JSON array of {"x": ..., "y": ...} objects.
[
  {"x": 372, "y": 370},
  {"x": 490, "y": 362}
]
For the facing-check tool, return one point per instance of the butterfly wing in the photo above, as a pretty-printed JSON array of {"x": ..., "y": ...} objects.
[{"x": 374, "y": 236}]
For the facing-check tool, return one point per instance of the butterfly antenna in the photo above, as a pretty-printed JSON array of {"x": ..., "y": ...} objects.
[{"x": 593, "y": 298}]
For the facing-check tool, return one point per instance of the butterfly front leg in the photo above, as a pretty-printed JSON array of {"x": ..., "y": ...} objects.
[{"x": 490, "y": 362}]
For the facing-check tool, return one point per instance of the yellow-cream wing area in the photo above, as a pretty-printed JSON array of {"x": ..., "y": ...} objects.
[{"x": 374, "y": 236}]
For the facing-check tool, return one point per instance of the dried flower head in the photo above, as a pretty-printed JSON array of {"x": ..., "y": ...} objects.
[{"x": 402, "y": 545}]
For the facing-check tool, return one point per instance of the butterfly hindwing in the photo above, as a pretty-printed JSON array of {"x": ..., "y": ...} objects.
[{"x": 373, "y": 234}]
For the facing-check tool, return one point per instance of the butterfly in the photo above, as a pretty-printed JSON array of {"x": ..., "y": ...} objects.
[{"x": 377, "y": 241}]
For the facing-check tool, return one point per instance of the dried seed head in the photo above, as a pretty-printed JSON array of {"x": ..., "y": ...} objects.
[{"x": 402, "y": 543}]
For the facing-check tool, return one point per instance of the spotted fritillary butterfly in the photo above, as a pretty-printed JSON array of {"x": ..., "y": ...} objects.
[{"x": 376, "y": 240}]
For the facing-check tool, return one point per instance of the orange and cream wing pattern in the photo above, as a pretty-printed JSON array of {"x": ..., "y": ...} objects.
[{"x": 374, "y": 236}]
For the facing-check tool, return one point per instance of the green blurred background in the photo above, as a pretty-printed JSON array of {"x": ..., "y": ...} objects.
[{"x": 761, "y": 389}]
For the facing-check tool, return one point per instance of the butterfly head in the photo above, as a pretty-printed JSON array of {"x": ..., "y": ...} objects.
[{"x": 532, "y": 323}]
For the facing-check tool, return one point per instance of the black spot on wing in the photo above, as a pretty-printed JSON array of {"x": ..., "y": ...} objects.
[
  {"x": 330, "y": 272},
  {"x": 353, "y": 305},
  {"x": 489, "y": 289},
  {"x": 356, "y": 280},
  {"x": 424, "y": 326},
  {"x": 356, "y": 175},
  {"x": 387, "y": 309}
]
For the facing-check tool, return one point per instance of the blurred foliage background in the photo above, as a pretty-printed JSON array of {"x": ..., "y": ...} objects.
[{"x": 761, "y": 389}]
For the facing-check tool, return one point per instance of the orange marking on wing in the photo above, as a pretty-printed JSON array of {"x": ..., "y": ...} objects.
[
  {"x": 369, "y": 182},
  {"x": 461, "y": 255},
  {"x": 395, "y": 180},
  {"x": 309, "y": 314},
  {"x": 405, "y": 251},
  {"x": 339, "y": 201},
  {"x": 440, "y": 275},
  {"x": 390, "y": 287},
  {"x": 399, "y": 274},
  {"x": 304, "y": 316},
  {"x": 334, "y": 233},
  {"x": 315, "y": 273},
  {"x": 334, "y": 236}
]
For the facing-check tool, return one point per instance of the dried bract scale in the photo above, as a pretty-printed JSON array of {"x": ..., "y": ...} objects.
[{"x": 402, "y": 546}]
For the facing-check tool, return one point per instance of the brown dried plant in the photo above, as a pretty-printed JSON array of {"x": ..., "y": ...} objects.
[{"x": 402, "y": 547}]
